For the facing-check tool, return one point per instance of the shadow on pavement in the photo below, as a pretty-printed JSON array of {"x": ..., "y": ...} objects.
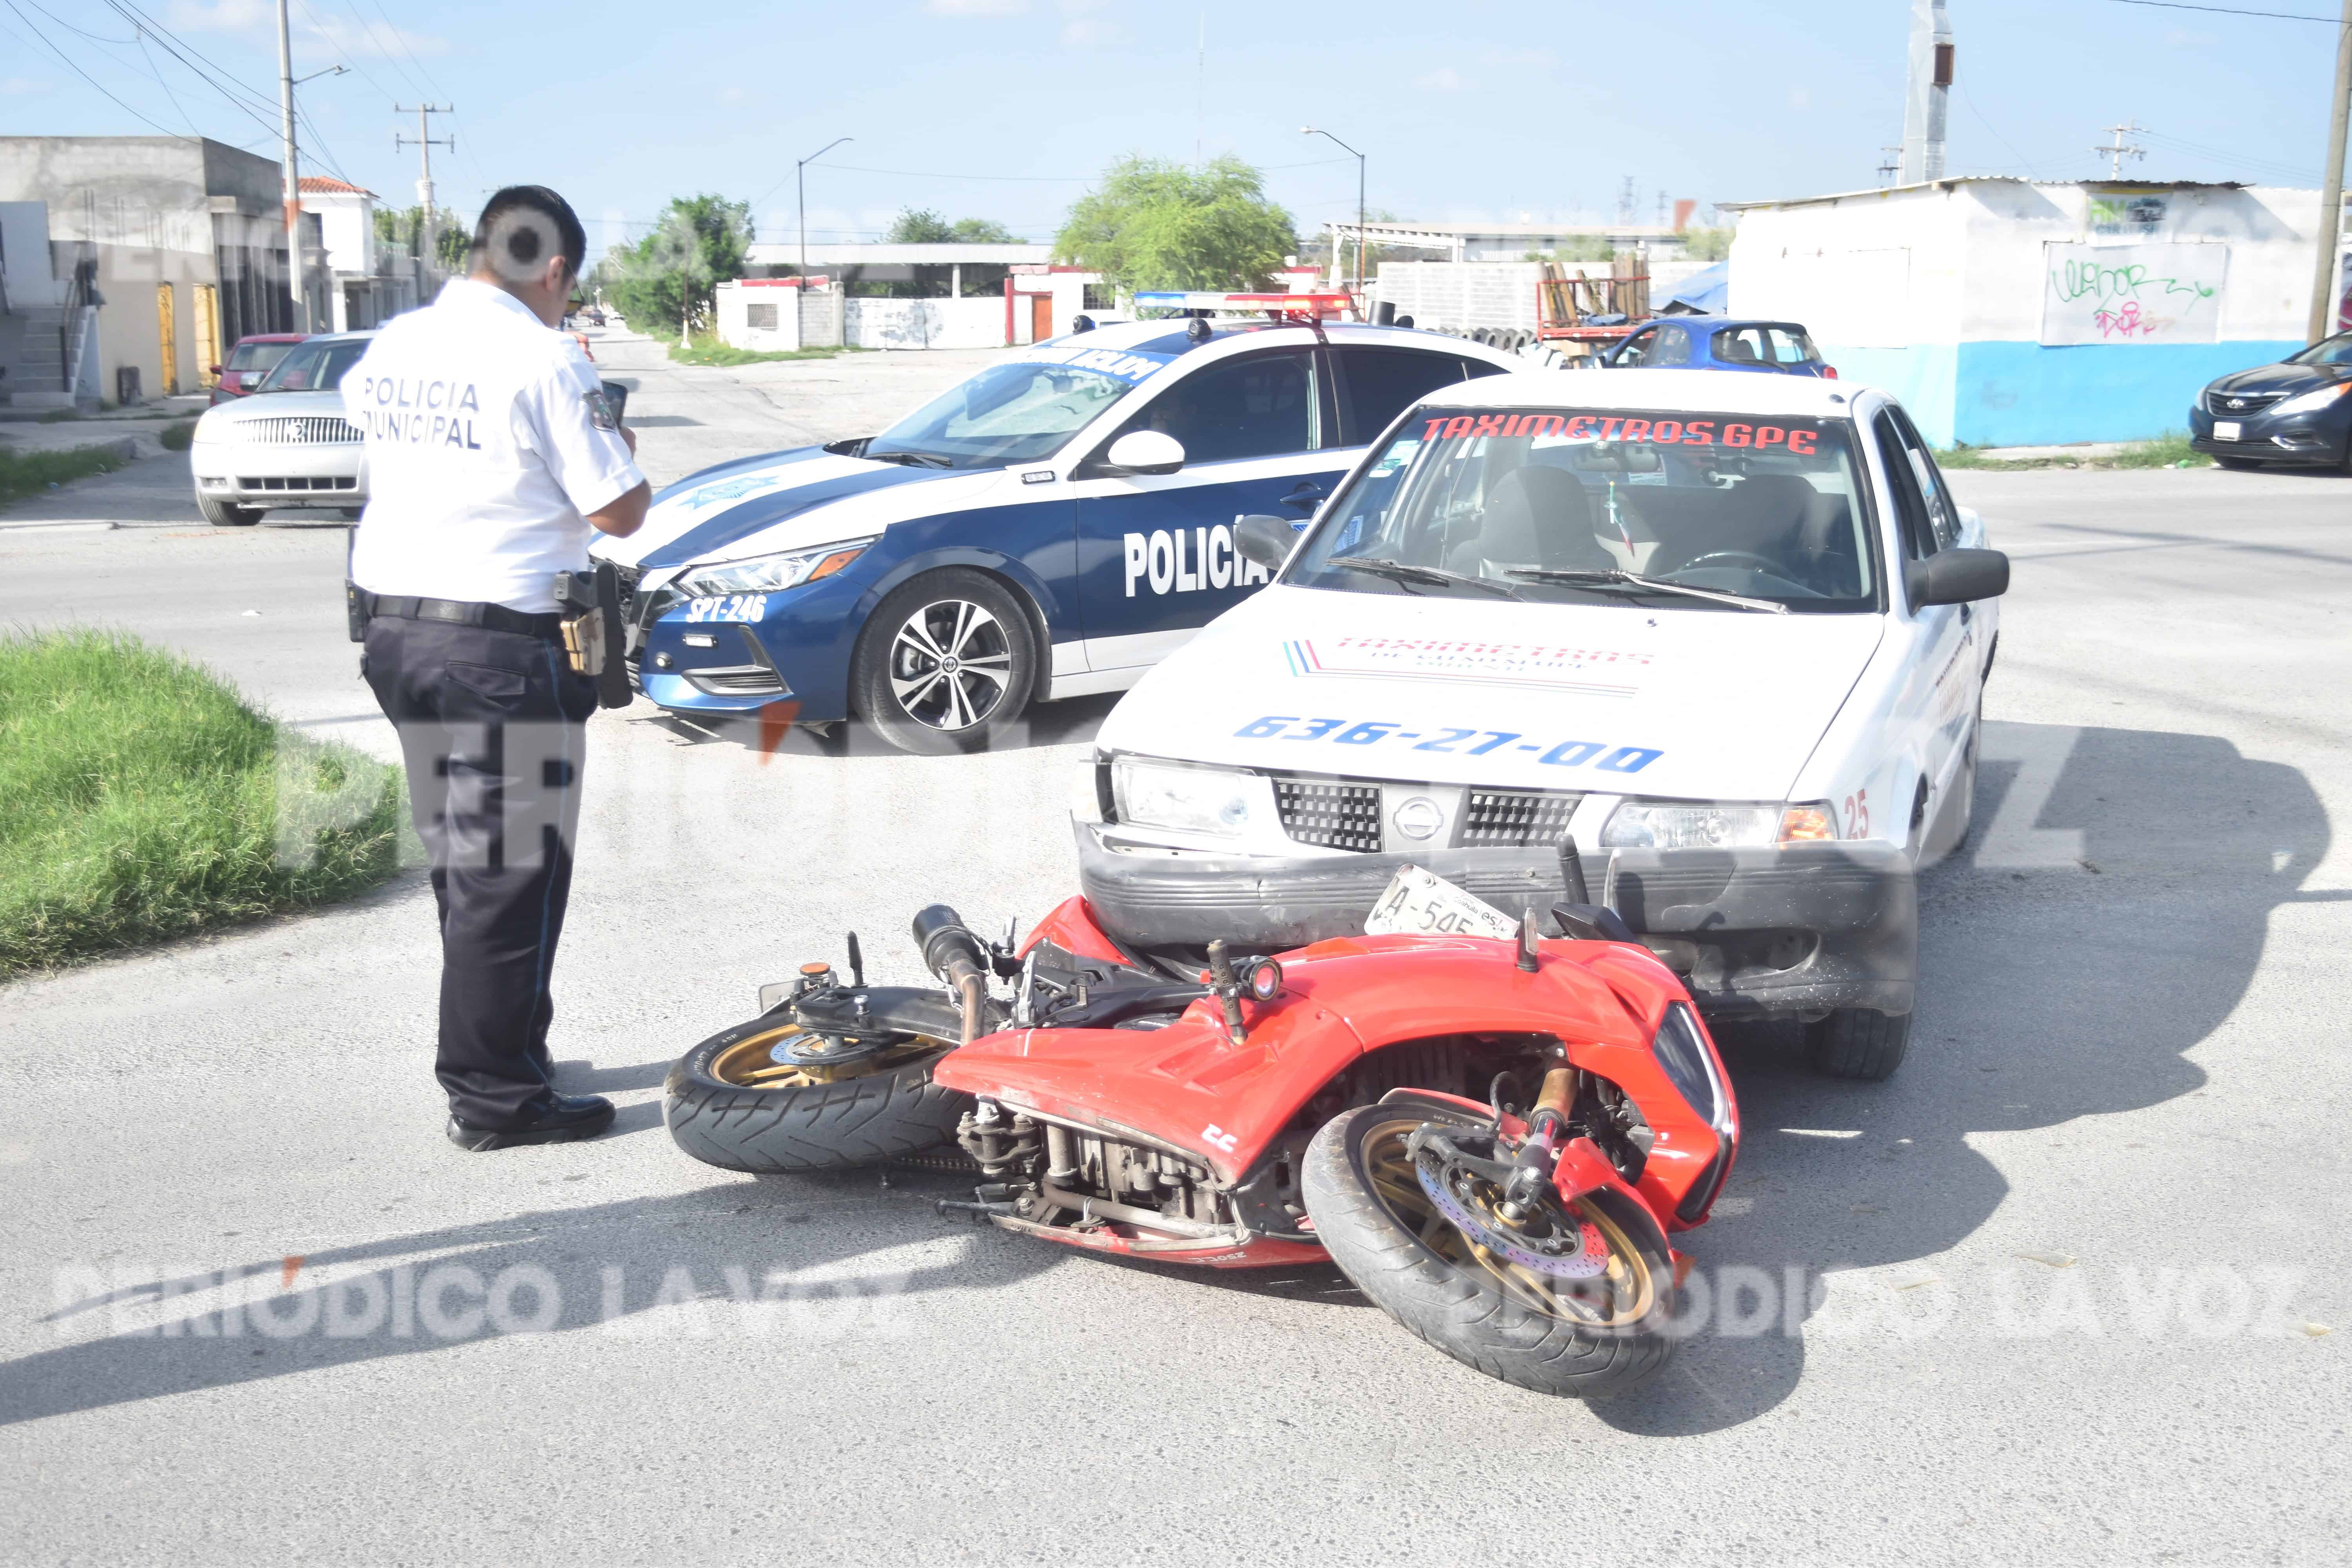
[
  {"x": 748, "y": 1261},
  {"x": 1066, "y": 724},
  {"x": 2049, "y": 992}
]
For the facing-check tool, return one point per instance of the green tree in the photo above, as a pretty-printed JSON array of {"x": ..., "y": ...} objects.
[
  {"x": 1707, "y": 244},
  {"x": 451, "y": 233},
  {"x": 667, "y": 277},
  {"x": 921, "y": 226},
  {"x": 1152, "y": 224}
]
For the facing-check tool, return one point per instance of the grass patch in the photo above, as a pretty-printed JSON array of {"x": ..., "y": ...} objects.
[
  {"x": 146, "y": 801},
  {"x": 711, "y": 351},
  {"x": 2169, "y": 450},
  {"x": 23, "y": 474},
  {"x": 177, "y": 436}
]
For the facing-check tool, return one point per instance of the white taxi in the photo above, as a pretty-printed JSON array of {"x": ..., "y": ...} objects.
[{"x": 1708, "y": 650}]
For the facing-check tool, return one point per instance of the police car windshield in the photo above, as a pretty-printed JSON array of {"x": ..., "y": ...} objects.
[
  {"x": 313, "y": 367},
  {"x": 1017, "y": 413},
  {"x": 1552, "y": 503}
]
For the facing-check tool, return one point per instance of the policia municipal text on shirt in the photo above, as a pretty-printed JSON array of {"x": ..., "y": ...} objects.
[{"x": 492, "y": 450}]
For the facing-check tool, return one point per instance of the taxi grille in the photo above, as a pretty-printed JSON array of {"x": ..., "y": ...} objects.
[
  {"x": 301, "y": 430},
  {"x": 1496, "y": 818},
  {"x": 1330, "y": 815}
]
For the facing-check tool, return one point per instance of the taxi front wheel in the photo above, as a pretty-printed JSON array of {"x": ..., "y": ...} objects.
[{"x": 946, "y": 663}]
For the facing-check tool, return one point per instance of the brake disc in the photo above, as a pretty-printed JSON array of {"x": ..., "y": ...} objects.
[{"x": 1555, "y": 1256}]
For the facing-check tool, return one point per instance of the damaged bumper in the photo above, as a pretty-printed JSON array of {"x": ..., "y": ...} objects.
[{"x": 1799, "y": 930}]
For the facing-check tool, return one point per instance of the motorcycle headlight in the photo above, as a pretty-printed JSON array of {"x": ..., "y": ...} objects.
[
  {"x": 2313, "y": 400},
  {"x": 1680, "y": 824},
  {"x": 1683, "y": 1055},
  {"x": 1190, "y": 799},
  {"x": 768, "y": 573}
]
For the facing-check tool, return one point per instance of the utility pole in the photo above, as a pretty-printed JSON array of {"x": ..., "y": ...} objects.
[
  {"x": 2331, "y": 189},
  {"x": 2122, "y": 150},
  {"x": 426, "y": 249},
  {"x": 1927, "y": 93},
  {"x": 293, "y": 192},
  {"x": 1311, "y": 130},
  {"x": 800, "y": 196}
]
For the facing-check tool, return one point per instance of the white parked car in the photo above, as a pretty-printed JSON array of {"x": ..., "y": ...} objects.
[
  {"x": 1723, "y": 637},
  {"x": 287, "y": 443}
]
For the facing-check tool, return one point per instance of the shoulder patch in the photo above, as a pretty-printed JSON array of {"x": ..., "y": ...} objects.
[{"x": 600, "y": 412}]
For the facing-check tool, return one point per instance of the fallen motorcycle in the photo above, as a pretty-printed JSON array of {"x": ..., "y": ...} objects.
[{"x": 1491, "y": 1137}]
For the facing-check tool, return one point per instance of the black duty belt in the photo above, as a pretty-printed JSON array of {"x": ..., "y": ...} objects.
[{"x": 460, "y": 613}]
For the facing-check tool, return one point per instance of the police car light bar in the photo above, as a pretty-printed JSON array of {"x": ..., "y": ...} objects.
[{"x": 1244, "y": 304}]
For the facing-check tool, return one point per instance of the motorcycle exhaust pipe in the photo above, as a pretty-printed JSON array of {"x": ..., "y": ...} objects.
[{"x": 956, "y": 957}]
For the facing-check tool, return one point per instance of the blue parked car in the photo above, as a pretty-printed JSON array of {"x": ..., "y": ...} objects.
[
  {"x": 1710, "y": 343},
  {"x": 1051, "y": 528}
]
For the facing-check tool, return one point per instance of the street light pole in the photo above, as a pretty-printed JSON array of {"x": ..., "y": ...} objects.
[
  {"x": 1311, "y": 130},
  {"x": 800, "y": 196},
  {"x": 2331, "y": 189},
  {"x": 293, "y": 192}
]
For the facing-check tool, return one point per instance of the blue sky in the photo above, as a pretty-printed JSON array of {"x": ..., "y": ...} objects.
[{"x": 1468, "y": 111}]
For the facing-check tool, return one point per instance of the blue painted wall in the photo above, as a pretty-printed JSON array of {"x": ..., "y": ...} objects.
[{"x": 2031, "y": 394}]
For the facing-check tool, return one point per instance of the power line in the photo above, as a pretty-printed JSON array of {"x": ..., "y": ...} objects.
[
  {"x": 74, "y": 67},
  {"x": 2233, "y": 11}
]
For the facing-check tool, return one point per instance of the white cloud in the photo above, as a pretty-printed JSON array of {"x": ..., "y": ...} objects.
[
  {"x": 1444, "y": 80},
  {"x": 1800, "y": 99},
  {"x": 731, "y": 94},
  {"x": 22, "y": 87},
  {"x": 976, "y": 8},
  {"x": 1083, "y": 29},
  {"x": 342, "y": 35}
]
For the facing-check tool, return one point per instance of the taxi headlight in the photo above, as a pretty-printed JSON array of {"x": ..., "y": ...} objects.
[
  {"x": 768, "y": 573},
  {"x": 2312, "y": 402},
  {"x": 1190, "y": 799},
  {"x": 1681, "y": 824}
]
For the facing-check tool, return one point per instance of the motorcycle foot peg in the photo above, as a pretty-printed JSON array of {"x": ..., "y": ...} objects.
[{"x": 977, "y": 1213}]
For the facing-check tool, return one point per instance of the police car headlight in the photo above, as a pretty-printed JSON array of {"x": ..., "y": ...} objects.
[
  {"x": 1190, "y": 799},
  {"x": 1680, "y": 824},
  {"x": 767, "y": 573}
]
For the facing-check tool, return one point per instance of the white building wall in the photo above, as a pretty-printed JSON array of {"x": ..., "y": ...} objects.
[
  {"x": 777, "y": 310},
  {"x": 970, "y": 323}
]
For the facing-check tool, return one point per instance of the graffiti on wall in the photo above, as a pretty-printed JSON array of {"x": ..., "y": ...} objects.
[{"x": 2133, "y": 294}]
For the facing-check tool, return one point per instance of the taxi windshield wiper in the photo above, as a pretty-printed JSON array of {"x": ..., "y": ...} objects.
[
  {"x": 1398, "y": 572},
  {"x": 1639, "y": 584},
  {"x": 913, "y": 459}
]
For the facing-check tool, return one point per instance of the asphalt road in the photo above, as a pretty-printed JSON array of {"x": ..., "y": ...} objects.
[{"x": 2060, "y": 1283}]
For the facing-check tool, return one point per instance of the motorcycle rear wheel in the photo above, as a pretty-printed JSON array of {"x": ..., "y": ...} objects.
[
  {"x": 729, "y": 1104},
  {"x": 1372, "y": 1215}
]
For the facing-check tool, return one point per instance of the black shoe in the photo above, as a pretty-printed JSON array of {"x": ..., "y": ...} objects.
[{"x": 554, "y": 1118}]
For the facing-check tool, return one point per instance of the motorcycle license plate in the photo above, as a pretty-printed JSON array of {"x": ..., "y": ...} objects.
[
  {"x": 1421, "y": 903},
  {"x": 2228, "y": 430}
]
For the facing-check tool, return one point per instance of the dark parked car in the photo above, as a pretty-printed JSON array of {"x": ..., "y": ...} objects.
[
  {"x": 2298, "y": 411},
  {"x": 1710, "y": 343},
  {"x": 249, "y": 359}
]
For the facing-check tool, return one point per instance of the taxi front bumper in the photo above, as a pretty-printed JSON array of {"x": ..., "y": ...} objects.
[{"x": 1796, "y": 931}]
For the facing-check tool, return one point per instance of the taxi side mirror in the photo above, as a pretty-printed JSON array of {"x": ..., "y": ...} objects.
[
  {"x": 1265, "y": 540},
  {"x": 1144, "y": 452},
  {"x": 1955, "y": 577}
]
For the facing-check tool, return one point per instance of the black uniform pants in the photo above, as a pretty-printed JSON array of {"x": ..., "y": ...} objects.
[{"x": 491, "y": 726}]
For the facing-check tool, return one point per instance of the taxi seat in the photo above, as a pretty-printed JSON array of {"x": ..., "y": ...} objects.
[{"x": 1535, "y": 516}]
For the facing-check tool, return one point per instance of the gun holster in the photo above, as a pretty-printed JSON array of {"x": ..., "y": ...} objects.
[{"x": 595, "y": 634}]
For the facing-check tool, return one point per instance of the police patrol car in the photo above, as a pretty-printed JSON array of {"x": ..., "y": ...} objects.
[
  {"x": 1706, "y": 649},
  {"x": 1048, "y": 529}
]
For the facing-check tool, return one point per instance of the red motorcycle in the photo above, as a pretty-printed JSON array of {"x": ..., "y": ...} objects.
[{"x": 1491, "y": 1138}]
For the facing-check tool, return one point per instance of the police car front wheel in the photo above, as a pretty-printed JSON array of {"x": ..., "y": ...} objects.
[{"x": 946, "y": 662}]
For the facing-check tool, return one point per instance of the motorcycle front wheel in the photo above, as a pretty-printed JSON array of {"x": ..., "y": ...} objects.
[
  {"x": 733, "y": 1101},
  {"x": 1593, "y": 1323}
]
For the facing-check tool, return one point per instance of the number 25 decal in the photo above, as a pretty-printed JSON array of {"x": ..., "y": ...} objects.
[{"x": 1857, "y": 814}]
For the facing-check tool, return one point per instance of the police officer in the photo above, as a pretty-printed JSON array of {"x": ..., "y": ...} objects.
[{"x": 491, "y": 455}]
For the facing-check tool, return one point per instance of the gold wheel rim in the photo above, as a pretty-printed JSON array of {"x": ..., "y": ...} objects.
[
  {"x": 750, "y": 1062},
  {"x": 1623, "y": 1294}
]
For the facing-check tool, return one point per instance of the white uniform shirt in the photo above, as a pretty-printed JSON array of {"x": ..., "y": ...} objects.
[{"x": 489, "y": 441}]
